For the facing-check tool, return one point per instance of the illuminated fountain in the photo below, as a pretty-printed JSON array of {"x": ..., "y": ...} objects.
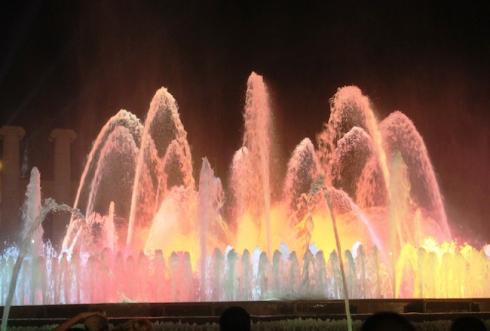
[{"x": 147, "y": 230}]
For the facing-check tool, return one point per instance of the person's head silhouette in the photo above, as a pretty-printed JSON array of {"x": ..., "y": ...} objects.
[
  {"x": 386, "y": 322},
  {"x": 96, "y": 323},
  {"x": 234, "y": 319},
  {"x": 468, "y": 323}
]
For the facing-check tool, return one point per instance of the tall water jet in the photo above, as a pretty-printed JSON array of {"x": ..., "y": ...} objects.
[
  {"x": 162, "y": 126},
  {"x": 371, "y": 190},
  {"x": 210, "y": 202},
  {"x": 123, "y": 119},
  {"x": 239, "y": 185},
  {"x": 400, "y": 134},
  {"x": 177, "y": 165},
  {"x": 303, "y": 169},
  {"x": 30, "y": 240},
  {"x": 31, "y": 235},
  {"x": 111, "y": 237},
  {"x": 116, "y": 164},
  {"x": 400, "y": 203},
  {"x": 349, "y": 159},
  {"x": 398, "y": 211},
  {"x": 350, "y": 108},
  {"x": 30, "y": 212},
  {"x": 257, "y": 139}
]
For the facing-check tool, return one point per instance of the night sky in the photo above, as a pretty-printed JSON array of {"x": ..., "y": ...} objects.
[{"x": 73, "y": 64}]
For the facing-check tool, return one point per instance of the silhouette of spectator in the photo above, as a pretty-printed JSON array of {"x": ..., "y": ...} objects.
[
  {"x": 234, "y": 319},
  {"x": 386, "y": 321},
  {"x": 468, "y": 323},
  {"x": 96, "y": 322}
]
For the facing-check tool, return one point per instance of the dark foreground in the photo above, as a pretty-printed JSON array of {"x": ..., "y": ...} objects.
[{"x": 417, "y": 310}]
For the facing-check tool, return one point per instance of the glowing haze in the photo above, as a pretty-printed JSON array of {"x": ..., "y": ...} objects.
[{"x": 145, "y": 221}]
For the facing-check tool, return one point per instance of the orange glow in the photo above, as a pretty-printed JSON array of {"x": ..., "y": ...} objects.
[
  {"x": 242, "y": 242},
  {"x": 441, "y": 270}
]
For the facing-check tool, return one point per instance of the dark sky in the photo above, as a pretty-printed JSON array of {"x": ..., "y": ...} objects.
[{"x": 73, "y": 64}]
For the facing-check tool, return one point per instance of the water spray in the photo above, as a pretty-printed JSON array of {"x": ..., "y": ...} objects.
[
  {"x": 319, "y": 186},
  {"x": 25, "y": 247}
]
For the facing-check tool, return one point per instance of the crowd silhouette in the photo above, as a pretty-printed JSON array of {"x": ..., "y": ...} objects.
[{"x": 236, "y": 318}]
